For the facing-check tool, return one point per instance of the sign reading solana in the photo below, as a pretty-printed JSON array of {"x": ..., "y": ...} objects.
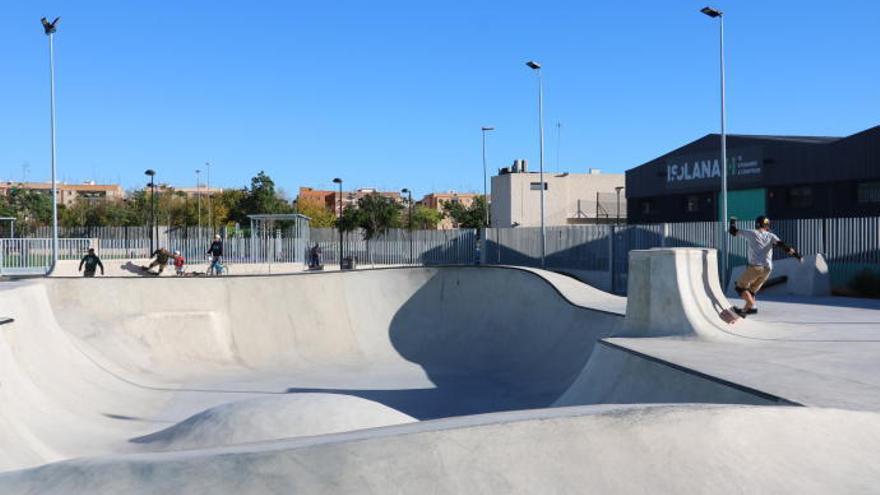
[{"x": 704, "y": 170}]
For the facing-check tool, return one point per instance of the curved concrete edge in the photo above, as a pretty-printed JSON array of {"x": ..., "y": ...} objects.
[
  {"x": 573, "y": 291},
  {"x": 667, "y": 449},
  {"x": 676, "y": 292},
  {"x": 616, "y": 374}
]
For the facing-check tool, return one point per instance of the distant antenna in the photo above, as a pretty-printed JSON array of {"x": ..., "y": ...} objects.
[{"x": 558, "y": 144}]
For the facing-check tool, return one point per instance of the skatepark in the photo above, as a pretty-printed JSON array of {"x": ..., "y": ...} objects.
[{"x": 449, "y": 379}]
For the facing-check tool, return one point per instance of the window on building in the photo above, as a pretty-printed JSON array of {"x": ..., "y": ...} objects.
[
  {"x": 800, "y": 197},
  {"x": 692, "y": 203},
  {"x": 536, "y": 186},
  {"x": 646, "y": 207},
  {"x": 868, "y": 192}
]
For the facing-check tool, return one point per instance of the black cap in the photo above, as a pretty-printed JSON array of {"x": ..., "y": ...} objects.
[{"x": 762, "y": 221}]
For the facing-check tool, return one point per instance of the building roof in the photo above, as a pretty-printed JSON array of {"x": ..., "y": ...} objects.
[
  {"x": 67, "y": 187},
  {"x": 815, "y": 159}
]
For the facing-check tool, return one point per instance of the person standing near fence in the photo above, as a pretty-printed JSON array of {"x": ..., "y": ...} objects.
[
  {"x": 91, "y": 262},
  {"x": 760, "y": 244},
  {"x": 216, "y": 252}
]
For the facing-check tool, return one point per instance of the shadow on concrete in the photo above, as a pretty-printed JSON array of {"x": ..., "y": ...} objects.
[{"x": 487, "y": 343}]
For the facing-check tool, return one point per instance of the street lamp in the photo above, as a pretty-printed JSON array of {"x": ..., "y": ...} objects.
[
  {"x": 408, "y": 192},
  {"x": 535, "y": 66},
  {"x": 199, "y": 202},
  {"x": 49, "y": 28},
  {"x": 485, "y": 174},
  {"x": 208, "y": 188},
  {"x": 618, "y": 189},
  {"x": 714, "y": 13},
  {"x": 337, "y": 180},
  {"x": 152, "y": 174}
]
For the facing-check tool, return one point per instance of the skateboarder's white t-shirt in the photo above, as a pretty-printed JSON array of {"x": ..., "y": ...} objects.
[{"x": 760, "y": 246}]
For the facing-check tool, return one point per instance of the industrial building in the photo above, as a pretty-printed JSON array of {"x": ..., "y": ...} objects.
[
  {"x": 569, "y": 198},
  {"x": 780, "y": 176}
]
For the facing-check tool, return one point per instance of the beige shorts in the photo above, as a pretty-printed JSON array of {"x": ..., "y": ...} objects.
[{"x": 752, "y": 279}]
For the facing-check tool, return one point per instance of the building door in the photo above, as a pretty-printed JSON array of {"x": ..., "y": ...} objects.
[{"x": 747, "y": 204}]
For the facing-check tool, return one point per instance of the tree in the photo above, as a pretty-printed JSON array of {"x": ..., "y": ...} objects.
[
  {"x": 31, "y": 208},
  {"x": 350, "y": 219},
  {"x": 423, "y": 218},
  {"x": 377, "y": 214},
  {"x": 471, "y": 217},
  {"x": 263, "y": 198},
  {"x": 319, "y": 215}
]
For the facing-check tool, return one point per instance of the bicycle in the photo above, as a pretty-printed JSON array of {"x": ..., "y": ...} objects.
[{"x": 217, "y": 268}]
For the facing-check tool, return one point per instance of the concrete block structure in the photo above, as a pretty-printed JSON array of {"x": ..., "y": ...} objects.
[{"x": 569, "y": 198}]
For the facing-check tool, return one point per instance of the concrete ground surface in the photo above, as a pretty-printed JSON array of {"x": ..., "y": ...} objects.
[{"x": 441, "y": 380}]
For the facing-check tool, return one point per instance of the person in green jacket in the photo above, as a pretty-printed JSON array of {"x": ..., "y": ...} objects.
[{"x": 91, "y": 262}]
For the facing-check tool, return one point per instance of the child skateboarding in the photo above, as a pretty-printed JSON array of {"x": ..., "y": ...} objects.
[{"x": 761, "y": 242}]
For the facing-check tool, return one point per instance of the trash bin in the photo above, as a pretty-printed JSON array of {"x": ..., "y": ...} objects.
[{"x": 349, "y": 263}]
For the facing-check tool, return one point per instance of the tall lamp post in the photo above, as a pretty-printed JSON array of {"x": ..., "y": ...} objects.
[
  {"x": 337, "y": 180},
  {"x": 411, "y": 252},
  {"x": 535, "y": 66},
  {"x": 725, "y": 245},
  {"x": 199, "y": 201},
  {"x": 618, "y": 189},
  {"x": 49, "y": 28},
  {"x": 485, "y": 129},
  {"x": 152, "y": 175},
  {"x": 208, "y": 188}
]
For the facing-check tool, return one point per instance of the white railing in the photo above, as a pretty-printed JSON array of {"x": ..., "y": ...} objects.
[{"x": 34, "y": 256}]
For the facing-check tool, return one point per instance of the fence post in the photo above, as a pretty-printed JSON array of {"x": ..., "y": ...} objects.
[
  {"x": 611, "y": 269},
  {"x": 665, "y": 234}
]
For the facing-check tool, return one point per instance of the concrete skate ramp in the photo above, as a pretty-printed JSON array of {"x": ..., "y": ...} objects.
[
  {"x": 660, "y": 449},
  {"x": 89, "y": 365}
]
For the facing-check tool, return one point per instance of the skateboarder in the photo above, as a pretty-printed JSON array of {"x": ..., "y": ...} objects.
[
  {"x": 162, "y": 255},
  {"x": 760, "y": 243},
  {"x": 91, "y": 261}
]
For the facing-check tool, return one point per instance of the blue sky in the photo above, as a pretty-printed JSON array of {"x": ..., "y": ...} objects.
[{"x": 392, "y": 94}]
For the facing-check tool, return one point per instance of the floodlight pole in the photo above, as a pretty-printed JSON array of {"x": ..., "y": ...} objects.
[
  {"x": 618, "y": 189},
  {"x": 49, "y": 29},
  {"x": 152, "y": 174},
  {"x": 537, "y": 68},
  {"x": 408, "y": 192},
  {"x": 725, "y": 243},
  {"x": 199, "y": 202},
  {"x": 210, "y": 216},
  {"x": 337, "y": 180},
  {"x": 485, "y": 180}
]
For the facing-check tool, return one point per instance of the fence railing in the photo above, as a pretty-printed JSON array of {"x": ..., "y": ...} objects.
[
  {"x": 34, "y": 256},
  {"x": 848, "y": 244},
  {"x": 400, "y": 247}
]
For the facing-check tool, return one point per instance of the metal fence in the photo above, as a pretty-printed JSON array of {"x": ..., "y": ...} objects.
[
  {"x": 28, "y": 256},
  {"x": 849, "y": 245},
  {"x": 400, "y": 247}
]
